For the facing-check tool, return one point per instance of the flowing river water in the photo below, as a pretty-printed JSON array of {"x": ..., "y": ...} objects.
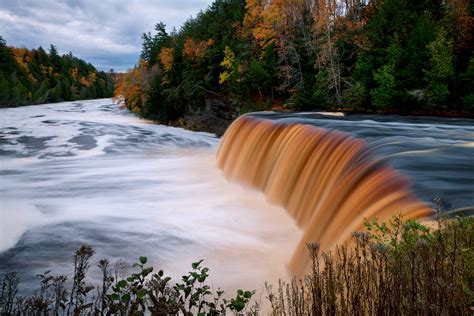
[{"x": 90, "y": 172}]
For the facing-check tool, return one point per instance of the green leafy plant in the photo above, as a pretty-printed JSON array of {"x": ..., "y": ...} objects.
[{"x": 393, "y": 267}]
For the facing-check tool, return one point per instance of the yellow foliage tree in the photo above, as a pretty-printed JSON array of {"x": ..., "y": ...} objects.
[
  {"x": 167, "y": 58},
  {"x": 228, "y": 64},
  {"x": 74, "y": 73}
]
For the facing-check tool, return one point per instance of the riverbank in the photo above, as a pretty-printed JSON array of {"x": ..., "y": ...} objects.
[{"x": 204, "y": 123}]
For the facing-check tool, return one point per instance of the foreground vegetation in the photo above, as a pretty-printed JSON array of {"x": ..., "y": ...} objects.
[
  {"x": 141, "y": 292},
  {"x": 394, "y": 268},
  {"x": 394, "y": 56},
  {"x": 35, "y": 77}
]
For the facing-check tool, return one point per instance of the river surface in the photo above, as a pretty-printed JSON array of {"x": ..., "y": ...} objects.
[{"x": 90, "y": 172}]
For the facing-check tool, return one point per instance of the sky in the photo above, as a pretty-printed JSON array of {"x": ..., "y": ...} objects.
[{"x": 106, "y": 33}]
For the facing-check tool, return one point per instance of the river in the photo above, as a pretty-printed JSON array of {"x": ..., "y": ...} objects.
[{"x": 91, "y": 172}]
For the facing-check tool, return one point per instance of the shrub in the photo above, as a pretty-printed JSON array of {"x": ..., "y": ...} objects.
[
  {"x": 394, "y": 268},
  {"x": 142, "y": 292}
]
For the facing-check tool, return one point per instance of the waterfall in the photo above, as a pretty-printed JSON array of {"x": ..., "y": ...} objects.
[{"x": 327, "y": 180}]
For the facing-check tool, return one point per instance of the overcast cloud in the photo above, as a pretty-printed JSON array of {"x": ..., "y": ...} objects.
[{"x": 106, "y": 33}]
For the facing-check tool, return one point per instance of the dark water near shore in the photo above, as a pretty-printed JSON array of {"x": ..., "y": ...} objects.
[{"x": 89, "y": 172}]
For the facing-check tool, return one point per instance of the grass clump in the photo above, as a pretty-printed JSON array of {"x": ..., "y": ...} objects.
[
  {"x": 394, "y": 268},
  {"x": 142, "y": 292}
]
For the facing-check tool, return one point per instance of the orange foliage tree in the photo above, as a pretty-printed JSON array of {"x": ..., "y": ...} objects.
[
  {"x": 131, "y": 90},
  {"x": 195, "y": 50}
]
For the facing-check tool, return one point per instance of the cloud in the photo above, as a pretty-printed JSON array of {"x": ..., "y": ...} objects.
[{"x": 106, "y": 33}]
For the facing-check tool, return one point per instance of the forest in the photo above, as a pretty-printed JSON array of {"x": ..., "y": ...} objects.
[
  {"x": 374, "y": 56},
  {"x": 36, "y": 76}
]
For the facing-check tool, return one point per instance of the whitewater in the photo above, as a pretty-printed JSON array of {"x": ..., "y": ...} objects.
[{"x": 92, "y": 172}]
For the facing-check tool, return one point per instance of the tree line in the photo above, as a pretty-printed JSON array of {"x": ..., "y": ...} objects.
[
  {"x": 36, "y": 76},
  {"x": 365, "y": 55}
]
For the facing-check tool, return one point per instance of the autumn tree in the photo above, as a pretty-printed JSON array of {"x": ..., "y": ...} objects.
[
  {"x": 367, "y": 55},
  {"x": 152, "y": 44},
  {"x": 34, "y": 76}
]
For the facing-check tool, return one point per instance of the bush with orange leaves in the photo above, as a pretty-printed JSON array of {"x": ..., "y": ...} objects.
[
  {"x": 131, "y": 90},
  {"x": 195, "y": 50}
]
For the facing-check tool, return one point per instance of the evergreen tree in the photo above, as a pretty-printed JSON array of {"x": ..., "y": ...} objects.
[
  {"x": 4, "y": 90},
  {"x": 467, "y": 80}
]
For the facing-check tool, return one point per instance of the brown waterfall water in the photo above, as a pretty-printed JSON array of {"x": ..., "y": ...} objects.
[{"x": 327, "y": 180}]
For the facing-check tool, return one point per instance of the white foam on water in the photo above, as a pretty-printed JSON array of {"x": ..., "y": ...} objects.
[
  {"x": 337, "y": 114},
  {"x": 140, "y": 186},
  {"x": 91, "y": 172},
  {"x": 15, "y": 219}
]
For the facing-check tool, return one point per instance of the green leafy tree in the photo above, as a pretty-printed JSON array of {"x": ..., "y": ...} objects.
[
  {"x": 440, "y": 71},
  {"x": 384, "y": 95}
]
